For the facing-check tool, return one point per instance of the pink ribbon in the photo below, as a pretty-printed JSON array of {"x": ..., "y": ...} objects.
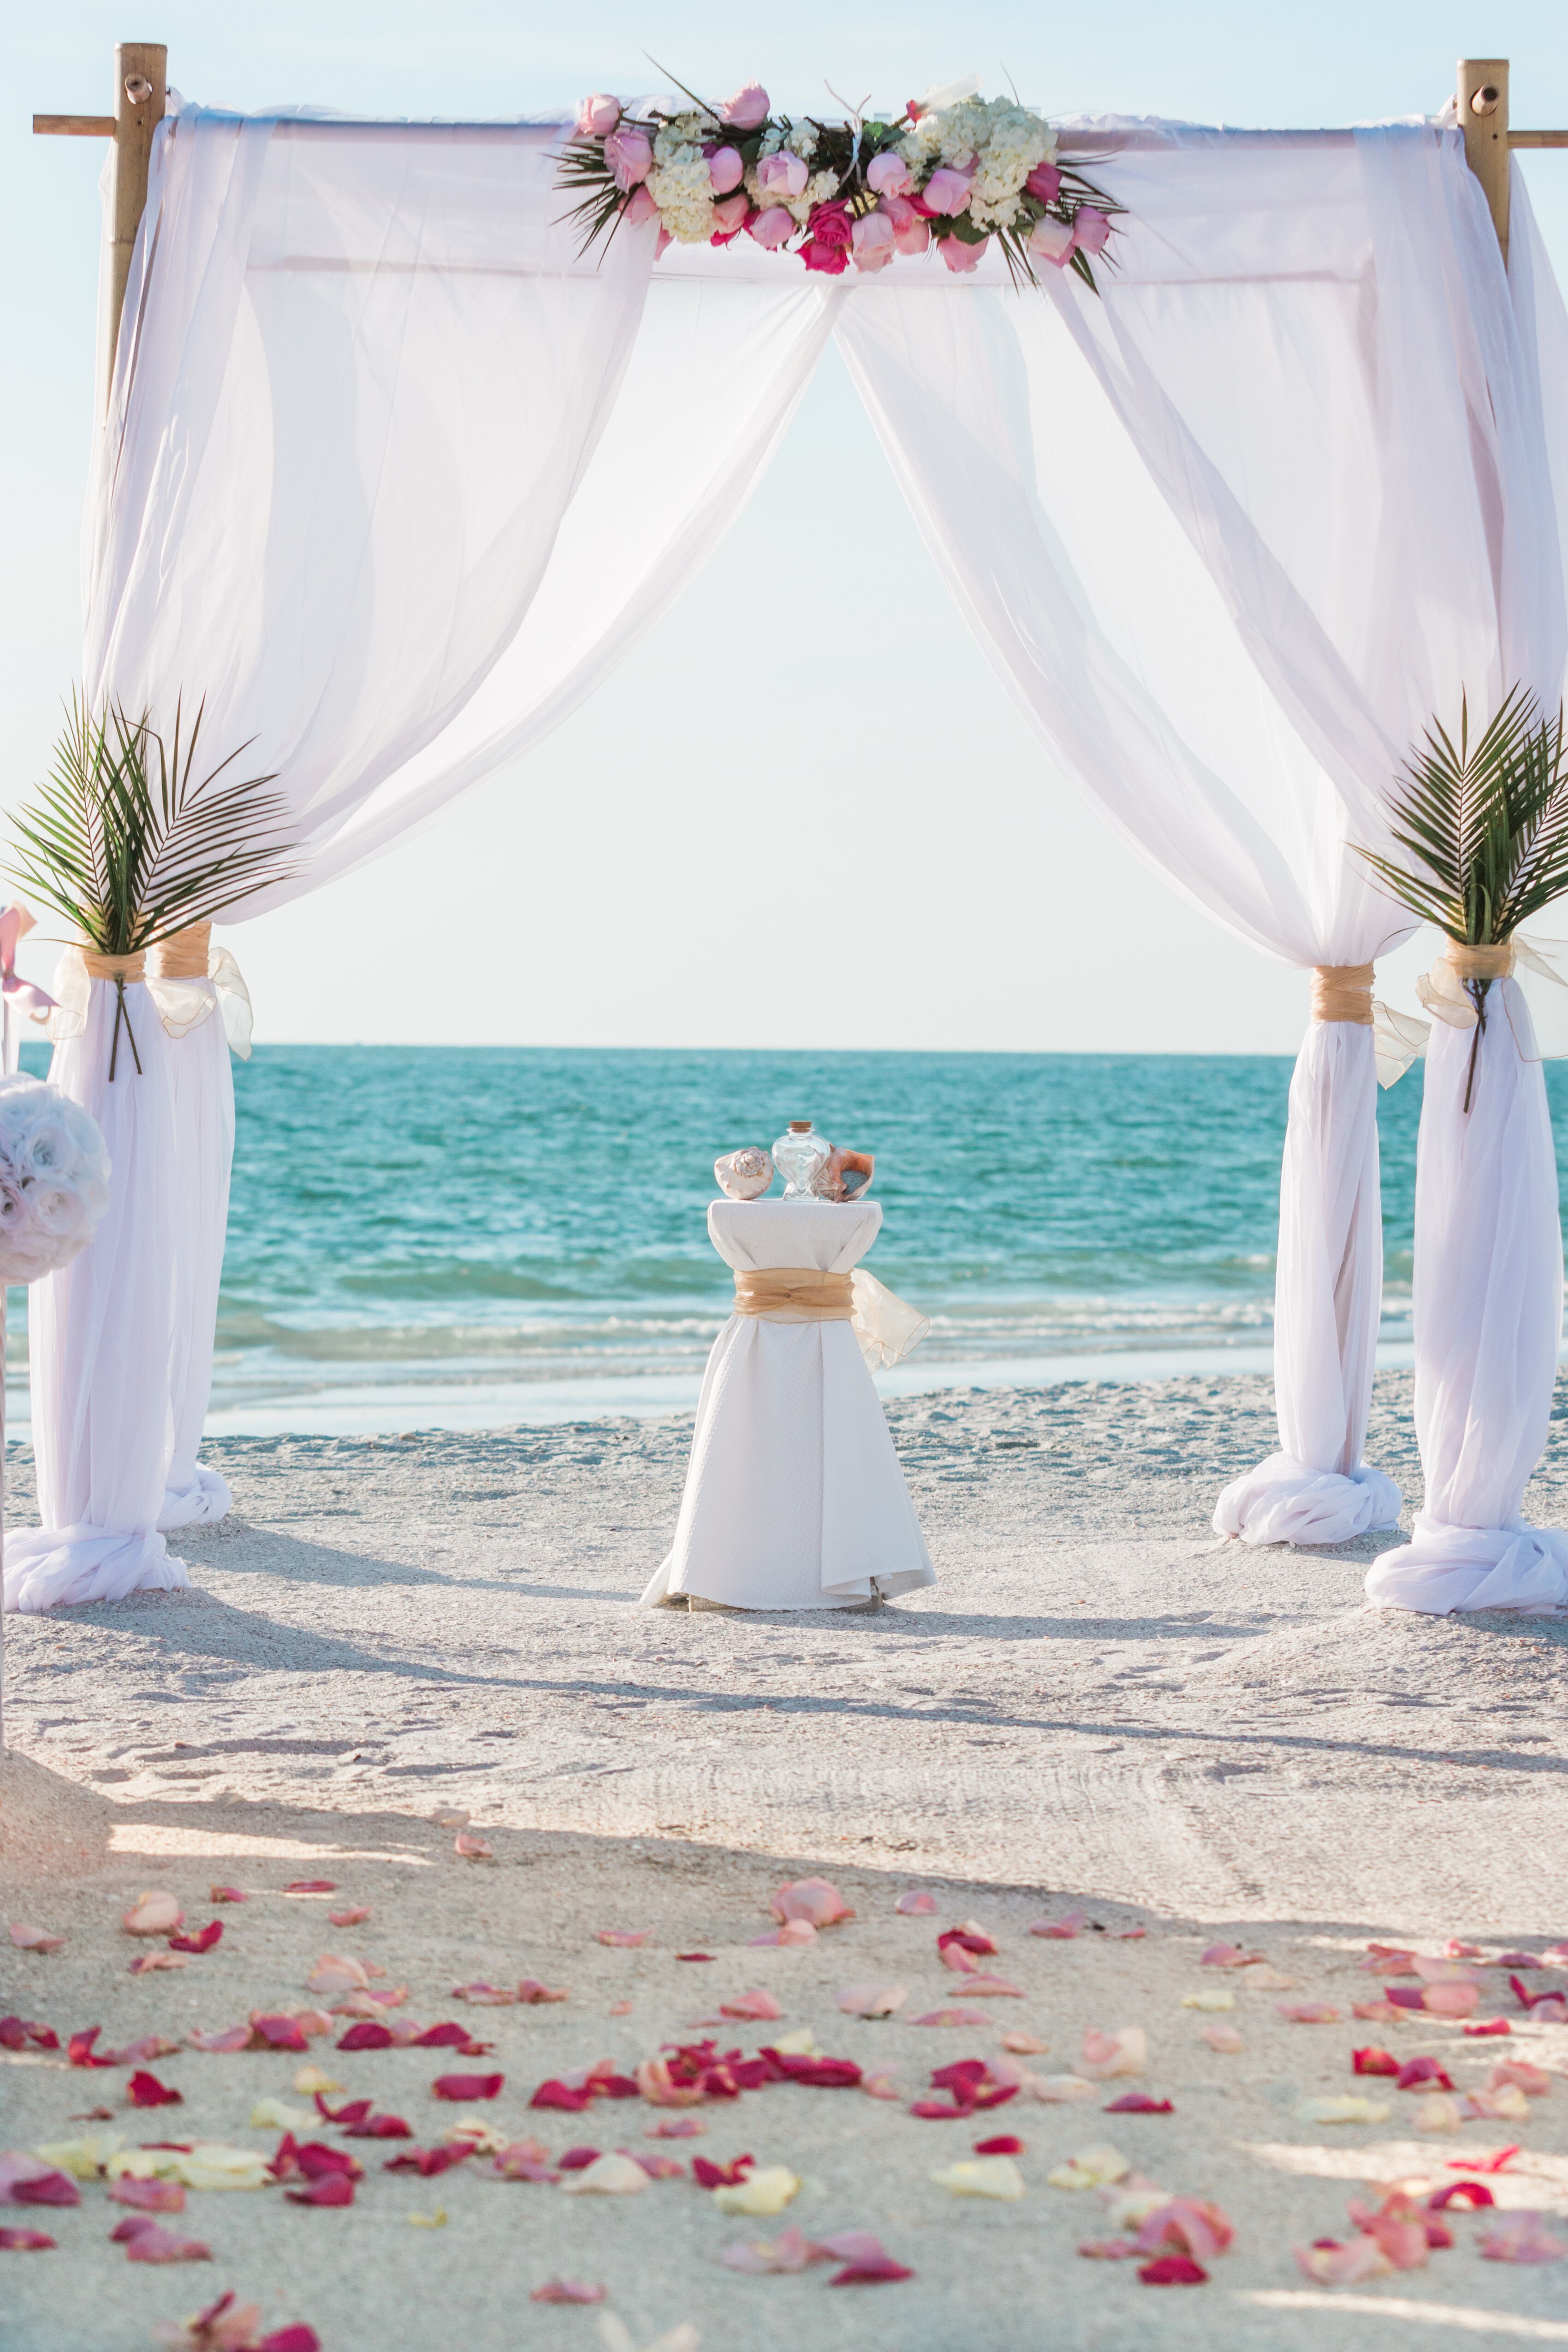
[{"x": 14, "y": 924}]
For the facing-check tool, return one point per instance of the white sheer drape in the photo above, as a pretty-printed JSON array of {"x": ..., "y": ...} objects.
[{"x": 392, "y": 478}]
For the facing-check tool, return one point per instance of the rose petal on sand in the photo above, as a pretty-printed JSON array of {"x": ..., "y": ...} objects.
[
  {"x": 1092, "y": 2167},
  {"x": 1496, "y": 2159},
  {"x": 1027, "y": 2045},
  {"x": 366, "y": 2035},
  {"x": 466, "y": 2087},
  {"x": 428, "y": 2162},
  {"x": 1138, "y": 2103},
  {"x": 533, "y": 1994},
  {"x": 882, "y": 2086},
  {"x": 1523, "y": 2237},
  {"x": 1104, "y": 2055},
  {"x": 485, "y": 1995},
  {"x": 989, "y": 1987},
  {"x": 330, "y": 2188},
  {"x": 154, "y": 1914},
  {"x": 1173, "y": 2270},
  {"x": 1534, "y": 2081},
  {"x": 916, "y": 1903},
  {"x": 816, "y": 1900},
  {"x": 982, "y": 2176},
  {"x": 1438, "y": 2115},
  {"x": 1107, "y": 2250},
  {"x": 872, "y": 1999},
  {"x": 1340, "y": 2108},
  {"x": 870, "y": 2270},
  {"x": 337, "y": 1972},
  {"x": 1377, "y": 2012},
  {"x": 225, "y": 2038},
  {"x": 472, "y": 1848},
  {"x": 146, "y": 1963},
  {"x": 577, "y": 2160},
  {"x": 1208, "y": 2000},
  {"x": 658, "y": 2168},
  {"x": 1062, "y": 1930},
  {"x": 1058, "y": 2090},
  {"x": 1186, "y": 2225},
  {"x": 1004, "y": 2144},
  {"x": 28, "y": 1938},
  {"x": 622, "y": 1939},
  {"x": 758, "y": 2004},
  {"x": 790, "y": 2251},
  {"x": 31, "y": 2181},
  {"x": 15, "y": 2032},
  {"x": 792, "y": 1932},
  {"x": 1222, "y": 2037},
  {"x": 1308, "y": 2012},
  {"x": 951, "y": 2017},
  {"x": 450, "y": 2035},
  {"x": 149, "y": 2242},
  {"x": 353, "y": 1914},
  {"x": 1473, "y": 2192},
  {"x": 1332, "y": 2264},
  {"x": 25, "y": 2242},
  {"x": 558, "y": 2290},
  {"x": 1264, "y": 1979},
  {"x": 226, "y": 1895},
  {"x": 148, "y": 2196},
  {"x": 311, "y": 1886},
  {"x": 676, "y": 2127},
  {"x": 1227, "y": 1955},
  {"x": 971, "y": 1936},
  {"x": 762, "y": 2193},
  {"x": 280, "y": 2032},
  {"x": 211, "y": 1935},
  {"x": 607, "y": 2176},
  {"x": 145, "y": 2090},
  {"x": 1494, "y": 2025},
  {"x": 709, "y": 2175},
  {"x": 1416, "y": 2073},
  {"x": 1372, "y": 2061}
]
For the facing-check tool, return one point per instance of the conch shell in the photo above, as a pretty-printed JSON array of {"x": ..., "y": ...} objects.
[
  {"x": 745, "y": 1174},
  {"x": 845, "y": 1175}
]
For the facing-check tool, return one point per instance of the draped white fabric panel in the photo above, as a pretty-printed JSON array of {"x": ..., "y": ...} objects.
[{"x": 394, "y": 476}]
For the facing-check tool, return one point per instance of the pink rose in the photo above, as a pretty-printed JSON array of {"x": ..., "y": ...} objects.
[
  {"x": 782, "y": 175},
  {"x": 831, "y": 225},
  {"x": 629, "y": 154},
  {"x": 832, "y": 259},
  {"x": 1052, "y": 240},
  {"x": 730, "y": 217},
  {"x": 726, "y": 169},
  {"x": 1045, "y": 182},
  {"x": 748, "y": 110},
  {"x": 597, "y": 116},
  {"x": 961, "y": 258},
  {"x": 912, "y": 233},
  {"x": 772, "y": 228},
  {"x": 1090, "y": 229},
  {"x": 947, "y": 192},
  {"x": 888, "y": 174},
  {"x": 873, "y": 241},
  {"x": 638, "y": 207}
]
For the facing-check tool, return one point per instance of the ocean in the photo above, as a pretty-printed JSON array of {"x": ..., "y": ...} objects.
[{"x": 474, "y": 1237}]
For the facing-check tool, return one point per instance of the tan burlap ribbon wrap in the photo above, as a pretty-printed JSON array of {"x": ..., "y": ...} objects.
[
  {"x": 1342, "y": 991},
  {"x": 126, "y": 968},
  {"x": 794, "y": 1294},
  {"x": 185, "y": 955},
  {"x": 1480, "y": 962}
]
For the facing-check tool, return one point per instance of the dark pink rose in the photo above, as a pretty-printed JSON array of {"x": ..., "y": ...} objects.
[
  {"x": 1090, "y": 228},
  {"x": 830, "y": 225},
  {"x": 833, "y": 260},
  {"x": 1045, "y": 182},
  {"x": 748, "y": 110},
  {"x": 629, "y": 154}
]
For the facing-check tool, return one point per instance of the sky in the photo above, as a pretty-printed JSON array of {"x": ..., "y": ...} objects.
[{"x": 611, "y": 889}]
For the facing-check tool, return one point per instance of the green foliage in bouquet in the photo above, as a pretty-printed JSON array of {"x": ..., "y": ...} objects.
[
  {"x": 131, "y": 841},
  {"x": 1487, "y": 825}
]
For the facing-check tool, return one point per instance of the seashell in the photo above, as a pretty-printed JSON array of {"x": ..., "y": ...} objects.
[
  {"x": 846, "y": 1175},
  {"x": 745, "y": 1174}
]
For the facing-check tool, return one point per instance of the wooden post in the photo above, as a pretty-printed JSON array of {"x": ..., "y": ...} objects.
[
  {"x": 140, "y": 86},
  {"x": 1482, "y": 97}
]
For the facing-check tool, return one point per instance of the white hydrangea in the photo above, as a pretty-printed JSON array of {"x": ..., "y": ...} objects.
[
  {"x": 681, "y": 139},
  {"x": 683, "y": 190}
]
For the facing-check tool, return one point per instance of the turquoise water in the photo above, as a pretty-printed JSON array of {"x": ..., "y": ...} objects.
[{"x": 472, "y": 1237}]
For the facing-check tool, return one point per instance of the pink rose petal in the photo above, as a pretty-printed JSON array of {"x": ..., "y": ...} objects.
[
  {"x": 622, "y": 1937},
  {"x": 28, "y": 1938},
  {"x": 915, "y": 1904},
  {"x": 872, "y": 1999},
  {"x": 352, "y": 1916},
  {"x": 557, "y": 2290},
  {"x": 758, "y": 2004},
  {"x": 1173, "y": 2270},
  {"x": 1063, "y": 1931},
  {"x": 154, "y": 1915},
  {"x": 815, "y": 1900},
  {"x": 1523, "y": 2237},
  {"x": 25, "y": 2242}
]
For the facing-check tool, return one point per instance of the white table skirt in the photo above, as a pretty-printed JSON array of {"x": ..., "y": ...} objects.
[{"x": 793, "y": 1495}]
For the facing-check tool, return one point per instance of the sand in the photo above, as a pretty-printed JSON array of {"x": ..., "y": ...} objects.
[{"x": 1098, "y": 1704}]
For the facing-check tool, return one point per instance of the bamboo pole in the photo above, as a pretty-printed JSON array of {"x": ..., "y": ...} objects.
[{"x": 141, "y": 87}]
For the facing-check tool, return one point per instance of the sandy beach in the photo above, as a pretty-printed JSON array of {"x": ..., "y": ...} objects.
[{"x": 1100, "y": 1704}]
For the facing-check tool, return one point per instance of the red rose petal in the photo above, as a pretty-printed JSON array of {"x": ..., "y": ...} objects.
[
  {"x": 25, "y": 2242},
  {"x": 1372, "y": 2061},
  {"x": 146, "y": 2091},
  {"x": 1004, "y": 2144},
  {"x": 1173, "y": 2270},
  {"x": 467, "y": 2086},
  {"x": 1138, "y": 2103},
  {"x": 568, "y": 2291},
  {"x": 331, "y": 2188},
  {"x": 366, "y": 2035},
  {"x": 311, "y": 1886}
]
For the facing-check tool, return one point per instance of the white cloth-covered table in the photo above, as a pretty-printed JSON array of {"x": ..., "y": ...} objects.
[{"x": 793, "y": 1495}]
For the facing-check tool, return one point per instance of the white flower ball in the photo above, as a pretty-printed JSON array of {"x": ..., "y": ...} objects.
[{"x": 54, "y": 1179}]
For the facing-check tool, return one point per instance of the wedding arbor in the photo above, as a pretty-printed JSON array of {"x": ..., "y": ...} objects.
[{"x": 1232, "y": 528}]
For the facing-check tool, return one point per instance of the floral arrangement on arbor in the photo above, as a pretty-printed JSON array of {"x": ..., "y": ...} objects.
[{"x": 955, "y": 171}]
